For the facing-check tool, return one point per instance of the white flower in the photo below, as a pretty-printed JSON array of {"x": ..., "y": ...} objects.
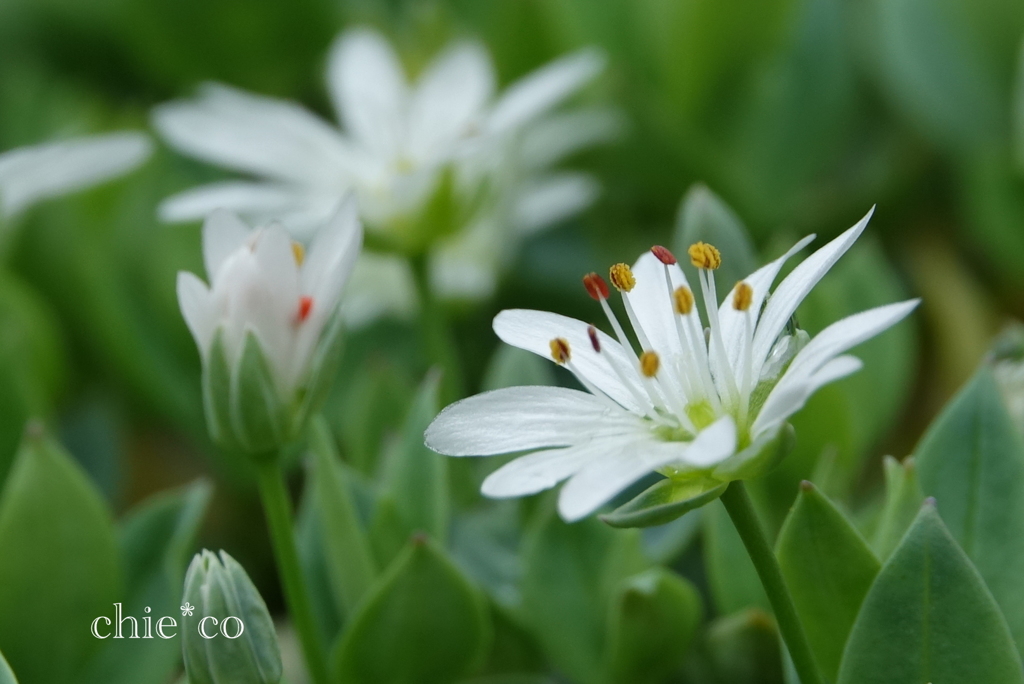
[
  {"x": 695, "y": 403},
  {"x": 401, "y": 145},
  {"x": 29, "y": 174},
  {"x": 266, "y": 320}
]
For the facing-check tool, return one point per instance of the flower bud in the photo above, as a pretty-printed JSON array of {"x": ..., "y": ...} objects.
[
  {"x": 227, "y": 634},
  {"x": 267, "y": 325}
]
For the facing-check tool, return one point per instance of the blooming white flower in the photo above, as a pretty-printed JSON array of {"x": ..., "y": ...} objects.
[
  {"x": 29, "y": 174},
  {"x": 266, "y": 324},
  {"x": 441, "y": 165},
  {"x": 694, "y": 404}
]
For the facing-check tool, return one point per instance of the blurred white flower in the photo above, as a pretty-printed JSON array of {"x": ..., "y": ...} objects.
[
  {"x": 30, "y": 174},
  {"x": 265, "y": 323},
  {"x": 694, "y": 403},
  {"x": 440, "y": 166}
]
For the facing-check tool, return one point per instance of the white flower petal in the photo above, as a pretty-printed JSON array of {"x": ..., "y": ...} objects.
[
  {"x": 29, "y": 174},
  {"x": 369, "y": 90},
  {"x": 787, "y": 398},
  {"x": 544, "y": 89},
  {"x": 618, "y": 463},
  {"x": 652, "y": 303},
  {"x": 534, "y": 330},
  {"x": 555, "y": 197},
  {"x": 241, "y": 197},
  {"x": 522, "y": 418},
  {"x": 223, "y": 233},
  {"x": 194, "y": 301},
  {"x": 555, "y": 137},
  {"x": 449, "y": 99},
  {"x": 332, "y": 256},
  {"x": 537, "y": 471},
  {"x": 791, "y": 291},
  {"x": 264, "y": 136}
]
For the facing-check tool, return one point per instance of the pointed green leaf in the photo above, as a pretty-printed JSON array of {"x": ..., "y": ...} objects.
[
  {"x": 704, "y": 217},
  {"x": 972, "y": 461},
  {"x": 744, "y": 648},
  {"x": 664, "y": 501},
  {"x": 654, "y": 617},
  {"x": 903, "y": 499},
  {"x": 348, "y": 555},
  {"x": 255, "y": 406},
  {"x": 571, "y": 572},
  {"x": 156, "y": 542},
  {"x": 829, "y": 569},
  {"x": 388, "y": 532},
  {"x": 731, "y": 575},
  {"x": 423, "y": 623},
  {"x": 417, "y": 478},
  {"x": 929, "y": 618},
  {"x": 59, "y": 569},
  {"x": 6, "y": 676},
  {"x": 217, "y": 393}
]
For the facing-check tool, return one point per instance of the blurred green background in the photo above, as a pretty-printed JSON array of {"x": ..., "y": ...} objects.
[{"x": 798, "y": 114}]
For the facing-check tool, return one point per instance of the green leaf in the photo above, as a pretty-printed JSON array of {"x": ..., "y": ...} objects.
[
  {"x": 744, "y": 648},
  {"x": 972, "y": 461},
  {"x": 664, "y": 501},
  {"x": 1018, "y": 112},
  {"x": 929, "y": 618},
  {"x": 513, "y": 367},
  {"x": 654, "y": 617},
  {"x": 829, "y": 569},
  {"x": 347, "y": 551},
  {"x": 704, "y": 217},
  {"x": 571, "y": 573},
  {"x": 6, "y": 676},
  {"x": 732, "y": 579},
  {"x": 417, "y": 478},
  {"x": 156, "y": 541},
  {"x": 422, "y": 624},
  {"x": 903, "y": 499},
  {"x": 217, "y": 394},
  {"x": 256, "y": 409},
  {"x": 59, "y": 568}
]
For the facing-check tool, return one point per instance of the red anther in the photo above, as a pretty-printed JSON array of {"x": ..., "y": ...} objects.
[
  {"x": 595, "y": 342},
  {"x": 596, "y": 286},
  {"x": 663, "y": 254},
  {"x": 305, "y": 307}
]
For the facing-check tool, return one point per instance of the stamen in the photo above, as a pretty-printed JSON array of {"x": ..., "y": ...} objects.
[
  {"x": 650, "y": 363},
  {"x": 707, "y": 281},
  {"x": 663, "y": 255},
  {"x": 742, "y": 296},
  {"x": 622, "y": 277},
  {"x": 703, "y": 255},
  {"x": 305, "y": 307},
  {"x": 560, "y": 350},
  {"x": 299, "y": 252},
  {"x": 683, "y": 300},
  {"x": 596, "y": 286},
  {"x": 595, "y": 342}
]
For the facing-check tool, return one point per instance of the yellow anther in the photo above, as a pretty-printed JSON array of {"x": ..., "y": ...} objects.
[
  {"x": 683, "y": 300},
  {"x": 299, "y": 252},
  {"x": 742, "y": 296},
  {"x": 622, "y": 277},
  {"x": 649, "y": 364},
  {"x": 560, "y": 351},
  {"x": 703, "y": 255}
]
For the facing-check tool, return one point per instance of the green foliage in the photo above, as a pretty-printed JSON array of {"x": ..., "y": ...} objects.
[
  {"x": 828, "y": 568},
  {"x": 704, "y": 217},
  {"x": 971, "y": 461},
  {"x": 929, "y": 618},
  {"x": 663, "y": 502},
  {"x": 744, "y": 648},
  {"x": 422, "y": 623},
  {"x": 732, "y": 579},
  {"x": 60, "y": 563},
  {"x": 6, "y": 676},
  {"x": 903, "y": 499}
]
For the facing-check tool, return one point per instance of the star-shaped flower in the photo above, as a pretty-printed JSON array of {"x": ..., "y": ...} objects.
[{"x": 694, "y": 402}]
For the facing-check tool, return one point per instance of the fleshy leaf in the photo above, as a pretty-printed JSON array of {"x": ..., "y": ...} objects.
[
  {"x": 423, "y": 623},
  {"x": 903, "y": 499},
  {"x": 665, "y": 501},
  {"x": 59, "y": 568},
  {"x": 972, "y": 461},
  {"x": 829, "y": 569},
  {"x": 654, "y": 617},
  {"x": 929, "y": 618}
]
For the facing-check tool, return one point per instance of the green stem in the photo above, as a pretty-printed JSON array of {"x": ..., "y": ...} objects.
[
  {"x": 277, "y": 505},
  {"x": 741, "y": 510},
  {"x": 437, "y": 334}
]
